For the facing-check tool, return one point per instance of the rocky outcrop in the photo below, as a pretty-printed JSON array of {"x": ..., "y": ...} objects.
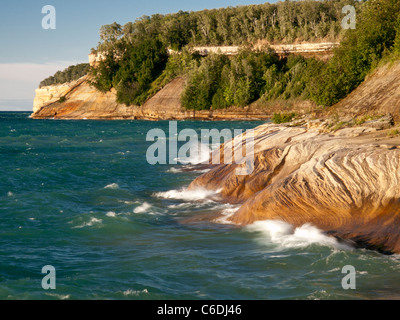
[
  {"x": 85, "y": 102},
  {"x": 50, "y": 94},
  {"x": 345, "y": 183},
  {"x": 378, "y": 94}
]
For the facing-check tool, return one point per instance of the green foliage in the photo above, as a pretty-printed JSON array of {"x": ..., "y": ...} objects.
[
  {"x": 62, "y": 99},
  {"x": 141, "y": 64},
  {"x": 396, "y": 44},
  {"x": 203, "y": 82},
  {"x": 102, "y": 75},
  {"x": 131, "y": 69},
  {"x": 279, "y": 118},
  {"x": 377, "y": 33},
  {"x": 69, "y": 74},
  {"x": 220, "y": 82},
  {"x": 393, "y": 133},
  {"x": 137, "y": 64}
]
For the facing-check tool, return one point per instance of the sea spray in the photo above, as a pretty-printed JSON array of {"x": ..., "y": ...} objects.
[
  {"x": 142, "y": 208},
  {"x": 285, "y": 236},
  {"x": 113, "y": 186},
  {"x": 188, "y": 194}
]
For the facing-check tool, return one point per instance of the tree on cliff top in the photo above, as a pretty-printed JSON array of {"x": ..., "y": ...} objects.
[
  {"x": 132, "y": 69},
  {"x": 69, "y": 74}
]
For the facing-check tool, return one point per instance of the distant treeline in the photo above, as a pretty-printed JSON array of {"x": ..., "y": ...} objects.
[
  {"x": 137, "y": 64},
  {"x": 69, "y": 74},
  {"x": 282, "y": 22},
  {"x": 218, "y": 82}
]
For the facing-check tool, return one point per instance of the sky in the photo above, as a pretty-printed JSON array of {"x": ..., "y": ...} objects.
[{"x": 29, "y": 53}]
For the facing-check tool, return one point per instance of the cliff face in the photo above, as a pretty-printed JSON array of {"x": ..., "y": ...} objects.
[
  {"x": 378, "y": 94},
  {"x": 319, "y": 50},
  {"x": 346, "y": 183},
  {"x": 50, "y": 94},
  {"x": 85, "y": 102}
]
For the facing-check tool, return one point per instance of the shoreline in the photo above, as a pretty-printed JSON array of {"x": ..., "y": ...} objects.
[{"x": 345, "y": 183}]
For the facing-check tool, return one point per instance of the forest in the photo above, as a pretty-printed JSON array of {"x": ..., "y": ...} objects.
[
  {"x": 138, "y": 64},
  {"x": 69, "y": 74}
]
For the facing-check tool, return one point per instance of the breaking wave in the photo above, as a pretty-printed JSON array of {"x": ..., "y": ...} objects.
[
  {"x": 142, "y": 208},
  {"x": 90, "y": 223},
  {"x": 188, "y": 195},
  {"x": 201, "y": 155},
  {"x": 113, "y": 186},
  {"x": 286, "y": 236}
]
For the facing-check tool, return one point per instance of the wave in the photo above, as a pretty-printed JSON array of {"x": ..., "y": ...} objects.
[
  {"x": 131, "y": 292},
  {"x": 59, "y": 296},
  {"x": 175, "y": 170},
  {"x": 142, "y": 208},
  {"x": 188, "y": 195},
  {"x": 226, "y": 213},
  {"x": 202, "y": 155},
  {"x": 112, "y": 186},
  {"x": 286, "y": 236},
  {"x": 188, "y": 168},
  {"x": 92, "y": 222},
  {"x": 111, "y": 214},
  {"x": 180, "y": 205}
]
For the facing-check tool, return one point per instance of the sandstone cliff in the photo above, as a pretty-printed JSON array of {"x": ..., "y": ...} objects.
[
  {"x": 378, "y": 94},
  {"x": 80, "y": 101},
  {"x": 318, "y": 50},
  {"x": 345, "y": 183},
  {"x": 51, "y": 94},
  {"x": 84, "y": 102}
]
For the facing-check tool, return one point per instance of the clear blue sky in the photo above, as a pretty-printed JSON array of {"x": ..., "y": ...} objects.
[{"x": 29, "y": 53}]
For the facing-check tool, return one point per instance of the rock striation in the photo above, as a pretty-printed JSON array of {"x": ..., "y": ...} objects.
[
  {"x": 378, "y": 94},
  {"x": 345, "y": 182}
]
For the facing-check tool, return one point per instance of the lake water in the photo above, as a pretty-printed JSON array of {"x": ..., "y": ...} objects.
[{"x": 80, "y": 196}]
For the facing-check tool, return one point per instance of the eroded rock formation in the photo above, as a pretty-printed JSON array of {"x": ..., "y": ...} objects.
[
  {"x": 85, "y": 102},
  {"x": 346, "y": 183}
]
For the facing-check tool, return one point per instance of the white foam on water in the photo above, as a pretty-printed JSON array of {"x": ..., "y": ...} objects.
[
  {"x": 188, "y": 195},
  {"x": 131, "y": 292},
  {"x": 180, "y": 170},
  {"x": 286, "y": 236},
  {"x": 180, "y": 205},
  {"x": 112, "y": 186},
  {"x": 202, "y": 155},
  {"x": 92, "y": 222},
  {"x": 144, "y": 208},
  {"x": 59, "y": 296},
  {"x": 111, "y": 214},
  {"x": 175, "y": 170},
  {"x": 228, "y": 212}
]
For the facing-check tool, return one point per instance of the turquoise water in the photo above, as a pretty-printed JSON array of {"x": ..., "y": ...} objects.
[{"x": 80, "y": 196}]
